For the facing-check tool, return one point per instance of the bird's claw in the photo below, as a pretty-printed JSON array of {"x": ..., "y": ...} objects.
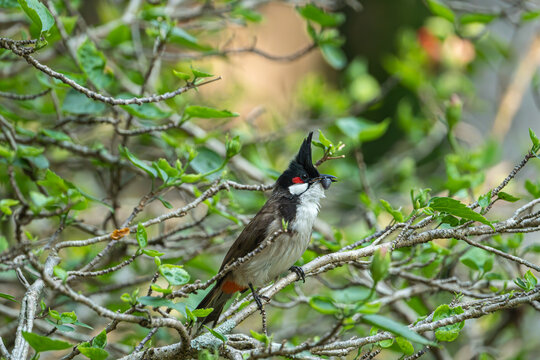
[{"x": 298, "y": 271}]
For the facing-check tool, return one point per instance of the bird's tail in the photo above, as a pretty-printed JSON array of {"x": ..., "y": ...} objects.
[{"x": 216, "y": 299}]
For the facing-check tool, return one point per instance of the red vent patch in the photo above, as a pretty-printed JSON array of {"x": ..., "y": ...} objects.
[{"x": 297, "y": 180}]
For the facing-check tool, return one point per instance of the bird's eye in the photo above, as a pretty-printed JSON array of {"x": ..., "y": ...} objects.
[{"x": 304, "y": 177}]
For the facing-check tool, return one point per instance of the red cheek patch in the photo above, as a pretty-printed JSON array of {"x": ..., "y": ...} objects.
[{"x": 297, "y": 180}]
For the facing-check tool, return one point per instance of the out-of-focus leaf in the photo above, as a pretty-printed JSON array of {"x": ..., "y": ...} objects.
[
  {"x": 477, "y": 18},
  {"x": 174, "y": 274},
  {"x": 448, "y": 332},
  {"x": 315, "y": 14},
  {"x": 361, "y": 129},
  {"x": 396, "y": 214},
  {"x": 405, "y": 346},
  {"x": 200, "y": 74},
  {"x": 93, "y": 353},
  {"x": 183, "y": 38},
  {"x": 396, "y": 328},
  {"x": 77, "y": 103},
  {"x": 530, "y": 15},
  {"x": 44, "y": 343},
  {"x": 93, "y": 63},
  {"x": 507, "y": 197},
  {"x": 217, "y": 334},
  {"x": 477, "y": 259},
  {"x": 440, "y": 9},
  {"x": 380, "y": 264},
  {"x": 142, "y": 238},
  {"x": 8, "y": 297},
  {"x": 323, "y": 304},
  {"x": 138, "y": 162},
  {"x": 144, "y": 111},
  {"x": 334, "y": 56},
  {"x": 207, "y": 112},
  {"x": 38, "y": 13}
]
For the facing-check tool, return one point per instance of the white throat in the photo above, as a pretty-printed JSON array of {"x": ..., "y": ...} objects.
[{"x": 307, "y": 208}]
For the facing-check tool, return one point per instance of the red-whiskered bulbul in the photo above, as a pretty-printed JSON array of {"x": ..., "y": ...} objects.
[{"x": 295, "y": 200}]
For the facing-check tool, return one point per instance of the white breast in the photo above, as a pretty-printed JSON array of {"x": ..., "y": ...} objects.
[{"x": 279, "y": 256}]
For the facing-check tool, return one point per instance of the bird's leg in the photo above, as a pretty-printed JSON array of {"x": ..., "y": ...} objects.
[
  {"x": 257, "y": 298},
  {"x": 298, "y": 271}
]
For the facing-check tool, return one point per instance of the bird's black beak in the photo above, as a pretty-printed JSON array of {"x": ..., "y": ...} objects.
[{"x": 326, "y": 180}]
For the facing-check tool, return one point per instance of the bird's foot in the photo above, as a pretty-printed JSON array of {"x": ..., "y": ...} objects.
[
  {"x": 298, "y": 271},
  {"x": 257, "y": 298}
]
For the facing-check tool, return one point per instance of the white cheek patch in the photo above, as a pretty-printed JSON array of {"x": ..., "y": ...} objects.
[{"x": 298, "y": 189}]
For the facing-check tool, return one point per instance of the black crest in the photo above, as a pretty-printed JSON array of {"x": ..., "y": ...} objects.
[{"x": 301, "y": 164}]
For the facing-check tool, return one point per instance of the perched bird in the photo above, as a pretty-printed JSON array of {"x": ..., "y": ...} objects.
[{"x": 294, "y": 201}]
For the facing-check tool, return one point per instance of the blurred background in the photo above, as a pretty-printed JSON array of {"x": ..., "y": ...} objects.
[{"x": 423, "y": 94}]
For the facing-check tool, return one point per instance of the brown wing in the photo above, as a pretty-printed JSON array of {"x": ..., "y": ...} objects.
[{"x": 254, "y": 232}]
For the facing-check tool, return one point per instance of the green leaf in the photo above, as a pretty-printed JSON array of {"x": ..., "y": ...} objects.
[
  {"x": 217, "y": 334},
  {"x": 182, "y": 75},
  {"x": 380, "y": 264},
  {"x": 68, "y": 317},
  {"x": 44, "y": 343},
  {"x": 142, "y": 238},
  {"x": 484, "y": 200},
  {"x": 361, "y": 129},
  {"x": 315, "y": 14},
  {"x": 174, "y": 274},
  {"x": 448, "y": 332},
  {"x": 100, "y": 341},
  {"x": 395, "y": 328},
  {"x": 260, "y": 337},
  {"x": 78, "y": 323},
  {"x": 323, "y": 140},
  {"x": 78, "y": 103},
  {"x": 165, "y": 203},
  {"x": 158, "y": 302},
  {"x": 334, "y": 56},
  {"x": 144, "y": 111},
  {"x": 183, "y": 38},
  {"x": 441, "y": 10},
  {"x": 6, "y": 204},
  {"x": 531, "y": 279},
  {"x": 56, "y": 135},
  {"x": 38, "y": 13},
  {"x": 323, "y": 304},
  {"x": 477, "y": 18},
  {"x": 202, "y": 312},
  {"x": 456, "y": 208},
  {"x": 232, "y": 146},
  {"x": 478, "y": 259},
  {"x": 532, "y": 188},
  {"x": 405, "y": 346},
  {"x": 93, "y": 62},
  {"x": 247, "y": 14},
  {"x": 207, "y": 112},
  {"x": 535, "y": 141},
  {"x": 28, "y": 151},
  {"x": 9, "y": 4},
  {"x": 530, "y": 15},
  {"x": 396, "y": 214},
  {"x": 137, "y": 162},
  {"x": 152, "y": 253},
  {"x": 54, "y": 184},
  {"x": 190, "y": 315},
  {"x": 61, "y": 273},
  {"x": 8, "y": 297},
  {"x": 206, "y": 161},
  {"x": 200, "y": 74},
  {"x": 507, "y": 197},
  {"x": 93, "y": 353}
]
